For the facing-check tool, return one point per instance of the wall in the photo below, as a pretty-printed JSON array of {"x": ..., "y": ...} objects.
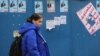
[{"x": 71, "y": 39}]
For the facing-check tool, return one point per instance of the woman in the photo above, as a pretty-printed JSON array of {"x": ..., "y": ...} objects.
[{"x": 33, "y": 43}]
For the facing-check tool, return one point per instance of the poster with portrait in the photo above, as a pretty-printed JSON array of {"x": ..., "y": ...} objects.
[
  {"x": 98, "y": 6},
  {"x": 3, "y": 5},
  {"x": 13, "y": 5},
  {"x": 21, "y": 6},
  {"x": 51, "y": 5},
  {"x": 38, "y": 7},
  {"x": 63, "y": 5}
]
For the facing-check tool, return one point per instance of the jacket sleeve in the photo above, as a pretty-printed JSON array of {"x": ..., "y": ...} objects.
[{"x": 32, "y": 44}]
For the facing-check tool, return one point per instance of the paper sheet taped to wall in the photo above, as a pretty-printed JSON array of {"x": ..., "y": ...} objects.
[
  {"x": 63, "y": 19},
  {"x": 50, "y": 24},
  {"x": 57, "y": 21}
]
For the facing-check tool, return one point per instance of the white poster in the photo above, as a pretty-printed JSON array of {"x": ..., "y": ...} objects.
[
  {"x": 57, "y": 21},
  {"x": 98, "y": 6},
  {"x": 13, "y": 6},
  {"x": 90, "y": 18},
  {"x": 22, "y": 6},
  {"x": 51, "y": 5},
  {"x": 38, "y": 7},
  {"x": 63, "y": 19},
  {"x": 63, "y": 5},
  {"x": 50, "y": 24},
  {"x": 3, "y": 5}
]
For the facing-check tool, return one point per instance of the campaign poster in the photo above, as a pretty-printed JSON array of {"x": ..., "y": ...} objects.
[
  {"x": 21, "y": 6},
  {"x": 51, "y": 5},
  {"x": 98, "y": 6},
  {"x": 3, "y": 5},
  {"x": 38, "y": 7},
  {"x": 13, "y": 5},
  {"x": 63, "y": 5}
]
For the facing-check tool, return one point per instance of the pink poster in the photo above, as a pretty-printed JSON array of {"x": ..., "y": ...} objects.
[{"x": 90, "y": 18}]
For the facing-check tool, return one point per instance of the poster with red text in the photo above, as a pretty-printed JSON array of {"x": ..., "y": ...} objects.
[{"x": 90, "y": 18}]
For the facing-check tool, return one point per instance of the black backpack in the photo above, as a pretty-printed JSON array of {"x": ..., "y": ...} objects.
[{"x": 15, "y": 49}]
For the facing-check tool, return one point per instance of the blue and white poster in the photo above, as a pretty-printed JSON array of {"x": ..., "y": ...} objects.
[
  {"x": 38, "y": 7},
  {"x": 13, "y": 5},
  {"x": 63, "y": 5},
  {"x": 21, "y": 6},
  {"x": 98, "y": 6},
  {"x": 51, "y": 5},
  {"x": 3, "y": 5}
]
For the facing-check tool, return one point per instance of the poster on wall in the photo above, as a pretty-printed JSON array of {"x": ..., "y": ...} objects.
[
  {"x": 90, "y": 18},
  {"x": 3, "y": 5},
  {"x": 63, "y": 5},
  {"x": 51, "y": 5},
  {"x": 21, "y": 6},
  {"x": 13, "y": 5},
  {"x": 38, "y": 7},
  {"x": 98, "y": 6}
]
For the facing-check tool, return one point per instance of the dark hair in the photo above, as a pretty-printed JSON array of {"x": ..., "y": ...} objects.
[{"x": 34, "y": 17}]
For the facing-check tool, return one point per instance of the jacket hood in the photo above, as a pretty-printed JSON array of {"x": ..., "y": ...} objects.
[{"x": 27, "y": 26}]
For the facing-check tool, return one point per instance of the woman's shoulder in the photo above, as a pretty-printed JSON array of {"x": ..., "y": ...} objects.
[{"x": 29, "y": 32}]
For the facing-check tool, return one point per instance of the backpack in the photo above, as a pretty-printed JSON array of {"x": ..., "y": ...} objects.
[{"x": 15, "y": 49}]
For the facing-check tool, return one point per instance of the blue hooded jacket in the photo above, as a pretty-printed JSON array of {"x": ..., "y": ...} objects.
[{"x": 33, "y": 43}]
